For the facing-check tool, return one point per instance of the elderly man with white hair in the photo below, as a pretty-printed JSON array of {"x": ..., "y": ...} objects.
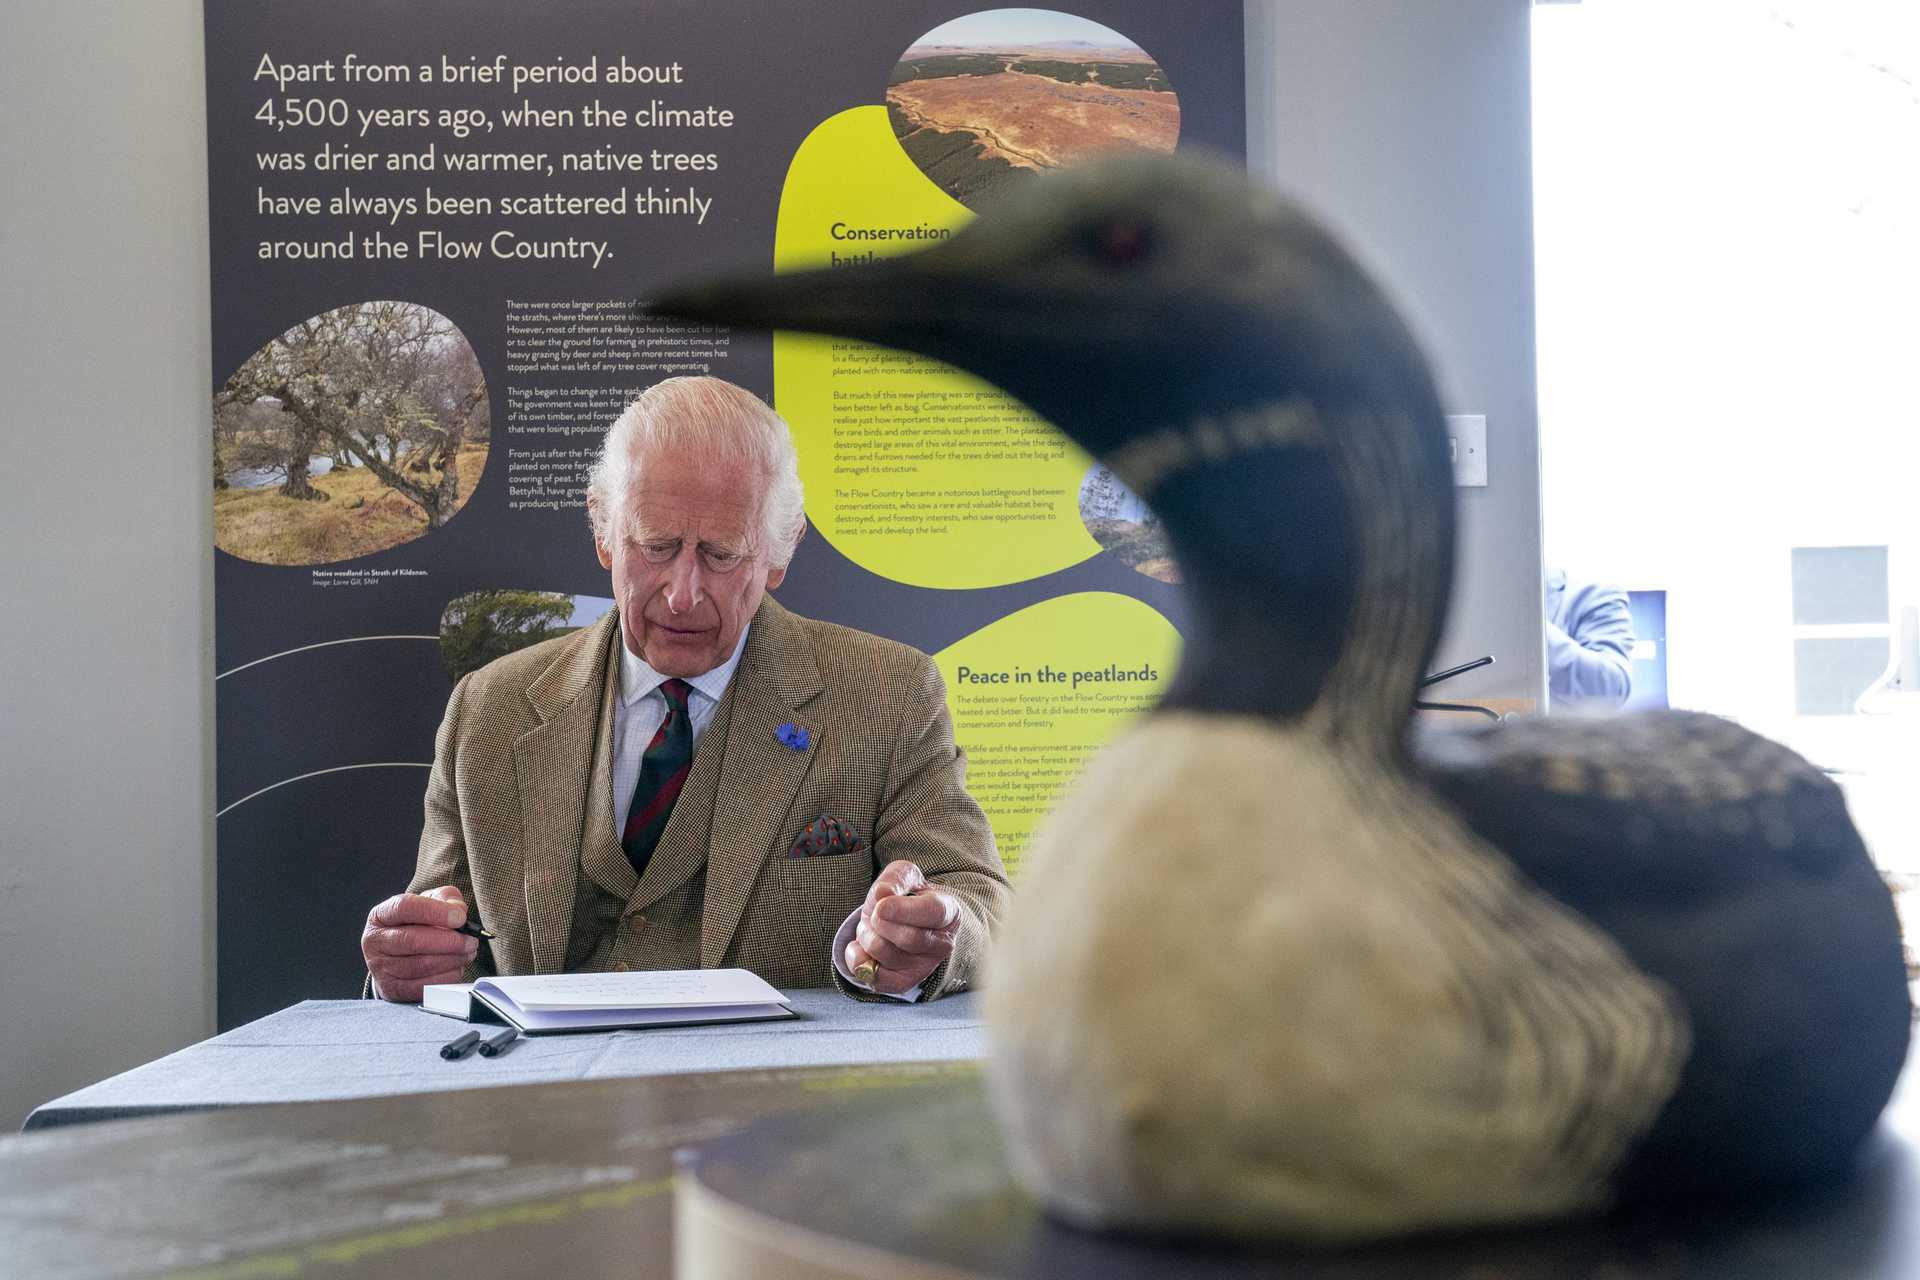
[{"x": 702, "y": 779}]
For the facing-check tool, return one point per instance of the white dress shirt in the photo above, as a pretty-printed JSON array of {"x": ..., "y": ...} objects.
[{"x": 639, "y": 712}]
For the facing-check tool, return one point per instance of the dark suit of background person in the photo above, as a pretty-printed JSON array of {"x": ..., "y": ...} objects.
[
  {"x": 1589, "y": 642},
  {"x": 818, "y": 721}
]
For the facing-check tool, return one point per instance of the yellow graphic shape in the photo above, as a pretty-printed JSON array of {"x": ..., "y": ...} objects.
[
  {"x": 1036, "y": 693},
  {"x": 913, "y": 470}
]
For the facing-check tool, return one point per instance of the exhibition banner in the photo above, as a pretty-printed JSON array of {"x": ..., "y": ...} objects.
[{"x": 430, "y": 222}]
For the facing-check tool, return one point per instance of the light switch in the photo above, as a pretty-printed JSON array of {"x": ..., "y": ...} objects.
[{"x": 1467, "y": 437}]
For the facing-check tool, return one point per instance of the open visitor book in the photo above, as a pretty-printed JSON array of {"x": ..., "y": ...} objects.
[{"x": 538, "y": 1003}]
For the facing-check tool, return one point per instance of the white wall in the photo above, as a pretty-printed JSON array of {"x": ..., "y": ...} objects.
[
  {"x": 106, "y": 887},
  {"x": 1406, "y": 121}
]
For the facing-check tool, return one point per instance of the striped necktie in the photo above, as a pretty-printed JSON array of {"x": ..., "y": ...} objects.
[{"x": 663, "y": 771}]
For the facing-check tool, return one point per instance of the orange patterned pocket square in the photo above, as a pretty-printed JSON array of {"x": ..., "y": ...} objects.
[{"x": 823, "y": 836}]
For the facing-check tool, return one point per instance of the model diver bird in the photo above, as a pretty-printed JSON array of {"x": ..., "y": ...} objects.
[{"x": 1272, "y": 971}]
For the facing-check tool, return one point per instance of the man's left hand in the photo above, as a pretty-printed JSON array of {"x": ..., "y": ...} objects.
[{"x": 906, "y": 928}]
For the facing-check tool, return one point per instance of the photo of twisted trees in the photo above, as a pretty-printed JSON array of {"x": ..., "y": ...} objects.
[
  {"x": 984, "y": 101},
  {"x": 354, "y": 431}
]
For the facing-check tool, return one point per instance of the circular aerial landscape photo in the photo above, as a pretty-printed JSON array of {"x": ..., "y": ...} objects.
[
  {"x": 985, "y": 100},
  {"x": 354, "y": 431},
  {"x": 1122, "y": 523}
]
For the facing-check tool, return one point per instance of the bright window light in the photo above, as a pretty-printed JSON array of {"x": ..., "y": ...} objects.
[{"x": 1727, "y": 212}]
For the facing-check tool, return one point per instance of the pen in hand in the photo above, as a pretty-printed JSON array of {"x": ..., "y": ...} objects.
[
  {"x": 474, "y": 929},
  {"x": 867, "y": 970}
]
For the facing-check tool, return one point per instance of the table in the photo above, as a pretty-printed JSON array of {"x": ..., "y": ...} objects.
[
  {"x": 790, "y": 1195},
  {"x": 578, "y": 1178},
  {"x": 325, "y": 1050},
  {"x": 565, "y": 1179},
  {"x": 777, "y": 1167}
]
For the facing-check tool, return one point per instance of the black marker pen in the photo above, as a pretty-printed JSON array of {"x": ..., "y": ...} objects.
[
  {"x": 496, "y": 1044},
  {"x": 460, "y": 1045}
]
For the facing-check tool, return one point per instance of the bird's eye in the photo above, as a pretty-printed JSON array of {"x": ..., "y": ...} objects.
[{"x": 1122, "y": 244}]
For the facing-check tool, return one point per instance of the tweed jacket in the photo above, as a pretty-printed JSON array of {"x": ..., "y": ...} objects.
[{"x": 519, "y": 809}]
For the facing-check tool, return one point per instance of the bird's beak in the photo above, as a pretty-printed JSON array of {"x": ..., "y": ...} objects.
[
  {"x": 899, "y": 302},
  {"x": 962, "y": 302}
]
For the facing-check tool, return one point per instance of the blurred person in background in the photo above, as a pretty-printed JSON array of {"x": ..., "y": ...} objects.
[{"x": 1589, "y": 644}]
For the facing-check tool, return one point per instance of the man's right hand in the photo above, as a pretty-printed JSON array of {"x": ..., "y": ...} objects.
[{"x": 410, "y": 941}]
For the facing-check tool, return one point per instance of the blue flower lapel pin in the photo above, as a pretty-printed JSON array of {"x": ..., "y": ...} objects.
[{"x": 792, "y": 736}]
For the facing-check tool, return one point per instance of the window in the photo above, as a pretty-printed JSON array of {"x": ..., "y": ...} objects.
[
  {"x": 1727, "y": 228},
  {"x": 1840, "y": 626}
]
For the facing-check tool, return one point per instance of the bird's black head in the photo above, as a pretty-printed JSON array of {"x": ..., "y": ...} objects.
[
  {"x": 1115, "y": 298},
  {"x": 1232, "y": 363}
]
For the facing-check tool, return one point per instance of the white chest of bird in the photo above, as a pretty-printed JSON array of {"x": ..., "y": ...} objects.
[{"x": 1257, "y": 986}]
